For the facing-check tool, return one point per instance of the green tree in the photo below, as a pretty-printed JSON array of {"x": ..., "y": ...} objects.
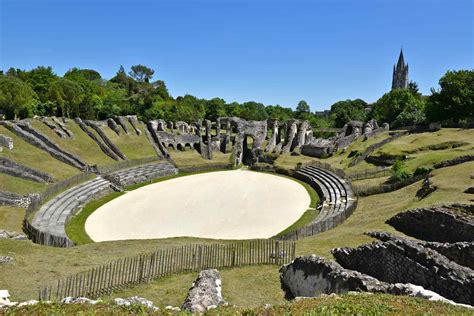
[
  {"x": 348, "y": 110},
  {"x": 17, "y": 99},
  {"x": 215, "y": 108},
  {"x": 392, "y": 104},
  {"x": 253, "y": 111},
  {"x": 455, "y": 100},
  {"x": 279, "y": 113},
  {"x": 40, "y": 79},
  {"x": 302, "y": 108},
  {"x": 67, "y": 95},
  {"x": 141, "y": 73}
]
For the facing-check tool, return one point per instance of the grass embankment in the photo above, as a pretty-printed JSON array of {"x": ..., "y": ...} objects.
[
  {"x": 11, "y": 218},
  {"x": 427, "y": 149},
  {"x": 132, "y": 145},
  {"x": 341, "y": 159},
  {"x": 347, "y": 304},
  {"x": 81, "y": 145},
  {"x": 33, "y": 157}
]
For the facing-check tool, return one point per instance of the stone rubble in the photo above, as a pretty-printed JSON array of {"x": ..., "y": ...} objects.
[{"x": 205, "y": 292}]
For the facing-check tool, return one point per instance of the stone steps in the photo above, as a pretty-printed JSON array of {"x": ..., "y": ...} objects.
[
  {"x": 53, "y": 215},
  {"x": 336, "y": 196},
  {"x": 144, "y": 173},
  {"x": 51, "y": 218}
]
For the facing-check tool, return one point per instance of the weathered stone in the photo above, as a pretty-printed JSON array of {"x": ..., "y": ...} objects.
[
  {"x": 113, "y": 126},
  {"x": 106, "y": 140},
  {"x": 205, "y": 292},
  {"x": 403, "y": 261},
  {"x": 12, "y": 168},
  {"x": 136, "y": 300},
  {"x": 454, "y": 161},
  {"x": 311, "y": 276},
  {"x": 79, "y": 300},
  {"x": 13, "y": 199},
  {"x": 63, "y": 127},
  {"x": 5, "y": 234},
  {"x": 426, "y": 188},
  {"x": 6, "y": 142},
  {"x": 152, "y": 129},
  {"x": 134, "y": 122},
  {"x": 55, "y": 128},
  {"x": 460, "y": 252},
  {"x": 469, "y": 190},
  {"x": 439, "y": 224},
  {"x": 96, "y": 139},
  {"x": 5, "y": 260},
  {"x": 35, "y": 138},
  {"x": 122, "y": 121}
]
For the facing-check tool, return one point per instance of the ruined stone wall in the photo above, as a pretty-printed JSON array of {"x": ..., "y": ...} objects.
[
  {"x": 311, "y": 276},
  {"x": 434, "y": 224},
  {"x": 460, "y": 252},
  {"x": 400, "y": 261},
  {"x": 96, "y": 139},
  {"x": 24, "y": 130},
  {"x": 12, "y": 168},
  {"x": 12, "y": 199}
]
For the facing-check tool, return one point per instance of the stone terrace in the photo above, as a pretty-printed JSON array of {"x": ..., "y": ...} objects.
[
  {"x": 51, "y": 218},
  {"x": 143, "y": 173},
  {"x": 337, "y": 199}
]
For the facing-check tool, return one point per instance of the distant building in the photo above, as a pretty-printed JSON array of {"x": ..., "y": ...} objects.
[
  {"x": 324, "y": 113},
  {"x": 400, "y": 74}
]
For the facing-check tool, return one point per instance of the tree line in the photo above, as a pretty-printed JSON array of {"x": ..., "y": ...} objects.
[{"x": 84, "y": 93}]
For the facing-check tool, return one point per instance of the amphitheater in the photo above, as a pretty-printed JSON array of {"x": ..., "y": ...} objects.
[{"x": 99, "y": 209}]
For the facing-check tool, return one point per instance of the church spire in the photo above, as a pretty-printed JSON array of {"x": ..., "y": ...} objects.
[{"x": 400, "y": 73}]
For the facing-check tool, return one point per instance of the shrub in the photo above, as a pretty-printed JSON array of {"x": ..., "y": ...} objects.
[
  {"x": 421, "y": 170},
  {"x": 399, "y": 172}
]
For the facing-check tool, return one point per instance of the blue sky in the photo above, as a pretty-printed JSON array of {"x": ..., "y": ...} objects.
[{"x": 274, "y": 52}]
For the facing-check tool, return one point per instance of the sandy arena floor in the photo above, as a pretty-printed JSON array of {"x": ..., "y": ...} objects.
[{"x": 225, "y": 205}]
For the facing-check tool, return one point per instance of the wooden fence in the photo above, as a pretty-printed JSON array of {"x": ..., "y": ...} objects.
[
  {"x": 321, "y": 225},
  {"x": 143, "y": 268},
  {"x": 370, "y": 173}
]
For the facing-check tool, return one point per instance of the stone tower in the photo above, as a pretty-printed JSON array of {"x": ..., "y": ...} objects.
[{"x": 400, "y": 74}]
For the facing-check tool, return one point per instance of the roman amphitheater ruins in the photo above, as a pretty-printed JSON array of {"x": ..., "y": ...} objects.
[{"x": 244, "y": 199}]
